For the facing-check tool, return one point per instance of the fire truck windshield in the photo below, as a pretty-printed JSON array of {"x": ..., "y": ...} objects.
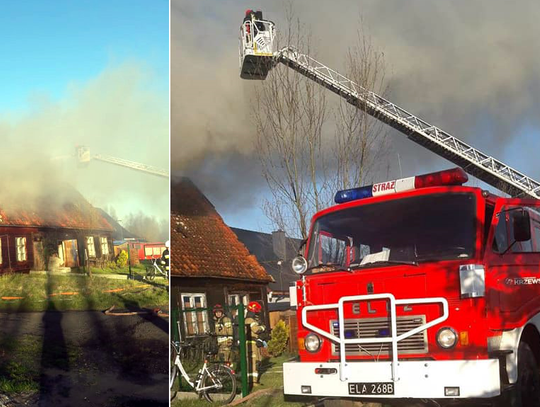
[{"x": 408, "y": 231}]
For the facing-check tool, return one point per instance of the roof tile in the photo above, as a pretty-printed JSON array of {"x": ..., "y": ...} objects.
[{"x": 202, "y": 245}]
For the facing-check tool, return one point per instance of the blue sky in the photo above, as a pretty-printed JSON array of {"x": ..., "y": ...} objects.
[{"x": 45, "y": 45}]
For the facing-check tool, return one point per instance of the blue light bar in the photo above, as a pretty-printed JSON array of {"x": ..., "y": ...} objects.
[
  {"x": 352, "y": 194},
  {"x": 455, "y": 176}
]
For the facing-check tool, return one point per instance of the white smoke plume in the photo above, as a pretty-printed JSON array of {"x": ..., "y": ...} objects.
[{"x": 121, "y": 112}]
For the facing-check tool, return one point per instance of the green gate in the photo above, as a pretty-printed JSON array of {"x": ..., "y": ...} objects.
[{"x": 192, "y": 357}]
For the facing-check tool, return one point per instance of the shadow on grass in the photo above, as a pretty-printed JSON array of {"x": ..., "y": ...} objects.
[
  {"x": 18, "y": 369},
  {"x": 54, "y": 354}
]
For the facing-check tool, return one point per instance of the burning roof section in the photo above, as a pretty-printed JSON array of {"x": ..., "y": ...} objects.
[
  {"x": 202, "y": 245},
  {"x": 61, "y": 206}
]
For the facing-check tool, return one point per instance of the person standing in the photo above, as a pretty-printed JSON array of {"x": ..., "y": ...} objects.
[
  {"x": 224, "y": 331},
  {"x": 255, "y": 328},
  {"x": 165, "y": 258}
]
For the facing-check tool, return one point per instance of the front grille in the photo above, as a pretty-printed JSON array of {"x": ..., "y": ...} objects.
[{"x": 379, "y": 328}]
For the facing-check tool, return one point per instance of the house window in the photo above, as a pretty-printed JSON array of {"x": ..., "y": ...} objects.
[
  {"x": 20, "y": 242},
  {"x": 235, "y": 299},
  {"x": 147, "y": 251},
  {"x": 196, "y": 320},
  {"x": 104, "y": 246},
  {"x": 90, "y": 246}
]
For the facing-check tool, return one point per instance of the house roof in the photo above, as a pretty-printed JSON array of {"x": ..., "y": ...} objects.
[
  {"x": 59, "y": 206},
  {"x": 120, "y": 232},
  {"x": 262, "y": 246},
  {"x": 202, "y": 245}
]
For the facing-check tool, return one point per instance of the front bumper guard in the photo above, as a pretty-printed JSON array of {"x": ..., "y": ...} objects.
[{"x": 344, "y": 367}]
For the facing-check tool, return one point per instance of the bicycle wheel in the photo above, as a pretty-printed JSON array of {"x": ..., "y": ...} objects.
[
  {"x": 173, "y": 374},
  {"x": 223, "y": 381},
  {"x": 150, "y": 272}
]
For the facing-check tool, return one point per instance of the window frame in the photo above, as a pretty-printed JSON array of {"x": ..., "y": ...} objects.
[
  {"x": 21, "y": 253},
  {"x": 192, "y": 327},
  {"x": 91, "y": 246},
  {"x": 104, "y": 243},
  {"x": 507, "y": 210}
]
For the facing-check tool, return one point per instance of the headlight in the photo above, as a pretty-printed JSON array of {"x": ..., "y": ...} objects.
[
  {"x": 312, "y": 343},
  {"x": 446, "y": 338},
  {"x": 299, "y": 265}
]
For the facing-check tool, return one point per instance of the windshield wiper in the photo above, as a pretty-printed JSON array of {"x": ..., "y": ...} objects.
[{"x": 385, "y": 262}]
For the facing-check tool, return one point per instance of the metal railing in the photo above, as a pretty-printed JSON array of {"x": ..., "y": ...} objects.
[
  {"x": 476, "y": 163},
  {"x": 393, "y": 338}
]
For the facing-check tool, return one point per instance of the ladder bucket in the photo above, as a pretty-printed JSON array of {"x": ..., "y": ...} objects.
[{"x": 256, "y": 46}]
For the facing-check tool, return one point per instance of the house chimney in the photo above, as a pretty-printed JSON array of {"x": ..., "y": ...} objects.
[{"x": 279, "y": 244}]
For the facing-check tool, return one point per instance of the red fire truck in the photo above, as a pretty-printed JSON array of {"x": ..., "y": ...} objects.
[
  {"x": 417, "y": 290},
  {"x": 420, "y": 288}
]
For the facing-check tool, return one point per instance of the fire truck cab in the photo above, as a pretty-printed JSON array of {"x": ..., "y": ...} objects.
[{"x": 420, "y": 289}]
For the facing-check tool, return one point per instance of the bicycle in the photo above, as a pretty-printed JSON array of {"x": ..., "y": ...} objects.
[
  {"x": 153, "y": 270},
  {"x": 217, "y": 383}
]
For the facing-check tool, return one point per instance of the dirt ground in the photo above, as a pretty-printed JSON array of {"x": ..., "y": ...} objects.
[{"x": 79, "y": 358}]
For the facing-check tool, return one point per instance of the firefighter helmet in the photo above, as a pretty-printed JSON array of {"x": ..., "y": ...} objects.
[
  {"x": 217, "y": 307},
  {"x": 254, "y": 306}
]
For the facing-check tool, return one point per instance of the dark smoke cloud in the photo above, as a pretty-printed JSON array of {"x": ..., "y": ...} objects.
[{"x": 471, "y": 68}]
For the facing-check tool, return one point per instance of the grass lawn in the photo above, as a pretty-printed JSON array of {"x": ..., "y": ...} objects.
[
  {"x": 139, "y": 269},
  {"x": 272, "y": 378},
  {"x": 20, "y": 362},
  {"x": 19, "y": 366},
  {"x": 40, "y": 292}
]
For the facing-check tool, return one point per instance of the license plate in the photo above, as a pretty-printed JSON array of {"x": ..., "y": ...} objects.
[{"x": 371, "y": 388}]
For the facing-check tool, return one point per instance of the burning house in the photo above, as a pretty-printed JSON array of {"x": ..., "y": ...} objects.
[{"x": 60, "y": 223}]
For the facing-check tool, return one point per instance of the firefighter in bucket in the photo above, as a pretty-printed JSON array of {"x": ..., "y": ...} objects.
[
  {"x": 224, "y": 333},
  {"x": 255, "y": 333}
]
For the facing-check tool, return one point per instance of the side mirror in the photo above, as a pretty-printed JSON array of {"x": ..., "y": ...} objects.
[
  {"x": 302, "y": 247},
  {"x": 521, "y": 223}
]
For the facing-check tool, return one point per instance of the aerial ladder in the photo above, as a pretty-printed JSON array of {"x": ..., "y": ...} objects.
[
  {"x": 84, "y": 157},
  {"x": 258, "y": 57}
]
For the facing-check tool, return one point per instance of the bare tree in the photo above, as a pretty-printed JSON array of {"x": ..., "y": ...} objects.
[
  {"x": 360, "y": 143},
  {"x": 301, "y": 166},
  {"x": 147, "y": 227}
]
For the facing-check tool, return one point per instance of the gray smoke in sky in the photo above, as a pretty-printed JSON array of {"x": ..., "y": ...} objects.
[
  {"x": 471, "y": 68},
  {"x": 121, "y": 113}
]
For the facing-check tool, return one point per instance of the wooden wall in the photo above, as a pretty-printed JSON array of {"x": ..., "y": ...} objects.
[
  {"x": 216, "y": 291},
  {"x": 40, "y": 243}
]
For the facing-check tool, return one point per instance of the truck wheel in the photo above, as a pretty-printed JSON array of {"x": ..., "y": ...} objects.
[{"x": 526, "y": 392}]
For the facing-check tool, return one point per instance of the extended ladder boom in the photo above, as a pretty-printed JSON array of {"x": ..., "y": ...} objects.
[
  {"x": 257, "y": 57},
  {"x": 476, "y": 163},
  {"x": 84, "y": 157},
  {"x": 132, "y": 164}
]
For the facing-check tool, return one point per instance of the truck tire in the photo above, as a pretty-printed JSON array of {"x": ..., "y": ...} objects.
[{"x": 526, "y": 392}]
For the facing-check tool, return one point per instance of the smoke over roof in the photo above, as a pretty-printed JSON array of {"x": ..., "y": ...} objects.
[
  {"x": 120, "y": 112},
  {"x": 471, "y": 68}
]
